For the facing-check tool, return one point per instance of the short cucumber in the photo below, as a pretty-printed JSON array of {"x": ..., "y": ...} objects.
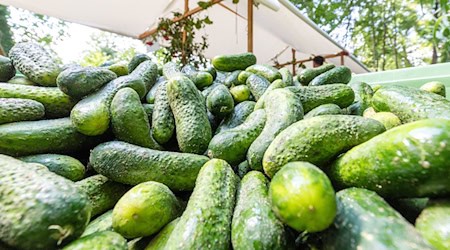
[
  {"x": 243, "y": 76},
  {"x": 341, "y": 74},
  {"x": 434, "y": 87},
  {"x": 163, "y": 122},
  {"x": 240, "y": 93},
  {"x": 99, "y": 241},
  {"x": 286, "y": 76},
  {"x": 388, "y": 119},
  {"x": 266, "y": 71},
  {"x": 16, "y": 110},
  {"x": 220, "y": 102},
  {"x": 257, "y": 85},
  {"x": 237, "y": 117},
  {"x": 233, "y": 62},
  {"x": 136, "y": 61},
  {"x": 433, "y": 224},
  {"x": 63, "y": 165},
  {"x": 7, "y": 70},
  {"x": 308, "y": 74},
  {"x": 119, "y": 68},
  {"x": 324, "y": 109}
]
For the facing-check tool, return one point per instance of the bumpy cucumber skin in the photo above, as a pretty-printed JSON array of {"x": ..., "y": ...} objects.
[
  {"x": 308, "y": 74},
  {"x": 206, "y": 222},
  {"x": 7, "y": 70},
  {"x": 160, "y": 241},
  {"x": 318, "y": 140},
  {"x": 314, "y": 96},
  {"x": 99, "y": 241},
  {"x": 266, "y": 71},
  {"x": 22, "y": 80},
  {"x": 408, "y": 161},
  {"x": 103, "y": 222},
  {"x": 433, "y": 224},
  {"x": 148, "y": 108},
  {"x": 171, "y": 69},
  {"x": 282, "y": 108},
  {"x": 434, "y": 87},
  {"x": 237, "y": 117},
  {"x": 63, "y": 165},
  {"x": 191, "y": 120},
  {"x": 258, "y": 85},
  {"x": 102, "y": 193},
  {"x": 341, "y": 74},
  {"x": 148, "y": 72},
  {"x": 50, "y": 209},
  {"x": 324, "y": 109},
  {"x": 130, "y": 121},
  {"x": 136, "y": 61},
  {"x": 410, "y": 104},
  {"x": 35, "y": 62},
  {"x": 254, "y": 224},
  {"x": 38, "y": 137},
  {"x": 243, "y": 76},
  {"x": 242, "y": 169},
  {"x": 232, "y": 145},
  {"x": 120, "y": 68},
  {"x": 16, "y": 110},
  {"x": 56, "y": 103},
  {"x": 240, "y": 93},
  {"x": 220, "y": 102},
  {"x": 286, "y": 76},
  {"x": 163, "y": 122},
  {"x": 363, "y": 98},
  {"x": 130, "y": 164},
  {"x": 233, "y": 62},
  {"x": 78, "y": 82},
  {"x": 151, "y": 95},
  {"x": 277, "y": 84},
  {"x": 365, "y": 221},
  {"x": 201, "y": 79},
  {"x": 232, "y": 79}
]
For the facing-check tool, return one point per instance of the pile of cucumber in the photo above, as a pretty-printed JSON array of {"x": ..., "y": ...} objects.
[{"x": 239, "y": 155}]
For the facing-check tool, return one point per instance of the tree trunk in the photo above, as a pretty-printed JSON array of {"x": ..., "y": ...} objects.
[{"x": 434, "y": 56}]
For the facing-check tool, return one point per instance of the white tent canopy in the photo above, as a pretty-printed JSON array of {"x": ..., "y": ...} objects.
[{"x": 275, "y": 32}]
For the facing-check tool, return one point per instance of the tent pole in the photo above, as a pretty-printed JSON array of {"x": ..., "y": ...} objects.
[
  {"x": 250, "y": 26},
  {"x": 183, "y": 53},
  {"x": 293, "y": 62},
  {"x": 342, "y": 58}
]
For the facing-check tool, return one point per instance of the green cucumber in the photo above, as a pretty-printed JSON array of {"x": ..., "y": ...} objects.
[
  {"x": 102, "y": 223},
  {"x": 434, "y": 87},
  {"x": 240, "y": 93},
  {"x": 286, "y": 76},
  {"x": 233, "y": 62},
  {"x": 388, "y": 119},
  {"x": 120, "y": 68},
  {"x": 22, "y": 80},
  {"x": 363, "y": 98},
  {"x": 409, "y": 208},
  {"x": 160, "y": 241},
  {"x": 324, "y": 109},
  {"x": 171, "y": 69},
  {"x": 148, "y": 108},
  {"x": 78, "y": 82},
  {"x": 151, "y": 95},
  {"x": 206, "y": 222},
  {"x": 136, "y": 61},
  {"x": 130, "y": 164},
  {"x": 242, "y": 169},
  {"x": 220, "y": 102},
  {"x": 433, "y": 224},
  {"x": 365, "y": 221},
  {"x": 277, "y": 84},
  {"x": 410, "y": 104},
  {"x": 282, "y": 108},
  {"x": 257, "y": 85},
  {"x": 307, "y": 75},
  {"x": 243, "y": 76},
  {"x": 7, "y": 70},
  {"x": 341, "y": 74},
  {"x": 237, "y": 117},
  {"x": 369, "y": 112},
  {"x": 148, "y": 72},
  {"x": 266, "y": 71},
  {"x": 296, "y": 82},
  {"x": 191, "y": 119},
  {"x": 63, "y": 165},
  {"x": 318, "y": 140},
  {"x": 212, "y": 71},
  {"x": 102, "y": 193},
  {"x": 16, "y": 110},
  {"x": 254, "y": 224},
  {"x": 201, "y": 79},
  {"x": 408, "y": 161},
  {"x": 232, "y": 79},
  {"x": 163, "y": 122},
  {"x": 232, "y": 145},
  {"x": 99, "y": 241},
  {"x": 39, "y": 209},
  {"x": 302, "y": 197}
]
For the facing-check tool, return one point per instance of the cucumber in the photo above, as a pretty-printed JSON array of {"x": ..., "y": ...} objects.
[
  {"x": 163, "y": 122},
  {"x": 148, "y": 72},
  {"x": 201, "y": 79},
  {"x": 7, "y": 70},
  {"x": 171, "y": 69},
  {"x": 232, "y": 79},
  {"x": 254, "y": 224},
  {"x": 120, "y": 68},
  {"x": 102, "y": 193},
  {"x": 151, "y": 95},
  {"x": 266, "y": 71},
  {"x": 233, "y": 62},
  {"x": 243, "y": 76},
  {"x": 148, "y": 108},
  {"x": 341, "y": 74},
  {"x": 302, "y": 197},
  {"x": 257, "y": 85},
  {"x": 376, "y": 87},
  {"x": 369, "y": 112},
  {"x": 130, "y": 164},
  {"x": 206, "y": 221},
  {"x": 240, "y": 93},
  {"x": 410, "y": 104},
  {"x": 160, "y": 241},
  {"x": 363, "y": 97},
  {"x": 56, "y": 103},
  {"x": 307, "y": 75},
  {"x": 277, "y": 84},
  {"x": 51, "y": 210},
  {"x": 408, "y": 161},
  {"x": 32, "y": 60},
  {"x": 129, "y": 120},
  {"x": 136, "y": 61},
  {"x": 318, "y": 140},
  {"x": 212, "y": 71},
  {"x": 314, "y": 96},
  {"x": 232, "y": 145},
  {"x": 16, "y": 110},
  {"x": 434, "y": 87},
  {"x": 282, "y": 108},
  {"x": 237, "y": 117},
  {"x": 433, "y": 224},
  {"x": 154, "y": 206},
  {"x": 139, "y": 243},
  {"x": 324, "y": 109},
  {"x": 242, "y": 169},
  {"x": 38, "y": 137},
  {"x": 63, "y": 165},
  {"x": 191, "y": 120},
  {"x": 78, "y": 82},
  {"x": 102, "y": 223},
  {"x": 286, "y": 76},
  {"x": 388, "y": 119},
  {"x": 220, "y": 101},
  {"x": 409, "y": 208},
  {"x": 22, "y": 80},
  {"x": 365, "y": 221},
  {"x": 99, "y": 241},
  {"x": 296, "y": 82}
]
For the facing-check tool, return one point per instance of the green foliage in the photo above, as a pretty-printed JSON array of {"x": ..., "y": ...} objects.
[{"x": 6, "y": 41}]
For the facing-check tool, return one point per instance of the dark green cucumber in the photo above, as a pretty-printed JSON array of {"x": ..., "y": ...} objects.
[
  {"x": 191, "y": 120},
  {"x": 240, "y": 93},
  {"x": 365, "y": 221},
  {"x": 341, "y": 74},
  {"x": 307, "y": 75},
  {"x": 151, "y": 95},
  {"x": 78, "y": 82},
  {"x": 409, "y": 208},
  {"x": 433, "y": 224},
  {"x": 363, "y": 98},
  {"x": 201, "y": 79},
  {"x": 302, "y": 197},
  {"x": 16, "y": 110},
  {"x": 243, "y": 76},
  {"x": 148, "y": 108},
  {"x": 314, "y": 96},
  {"x": 242, "y": 169},
  {"x": 410, "y": 104},
  {"x": 408, "y": 161},
  {"x": 163, "y": 122},
  {"x": 277, "y": 84},
  {"x": 232, "y": 79},
  {"x": 120, "y": 68},
  {"x": 233, "y": 62},
  {"x": 50, "y": 209},
  {"x": 257, "y": 85},
  {"x": 254, "y": 224},
  {"x": 206, "y": 222},
  {"x": 129, "y": 120},
  {"x": 160, "y": 241},
  {"x": 318, "y": 140},
  {"x": 237, "y": 117},
  {"x": 130, "y": 164},
  {"x": 220, "y": 102},
  {"x": 232, "y": 145},
  {"x": 266, "y": 71},
  {"x": 434, "y": 87},
  {"x": 139, "y": 243},
  {"x": 99, "y": 241},
  {"x": 56, "y": 103},
  {"x": 7, "y": 70},
  {"x": 38, "y": 137},
  {"x": 63, "y": 165},
  {"x": 282, "y": 108},
  {"x": 171, "y": 69},
  {"x": 35, "y": 62},
  {"x": 136, "y": 61},
  {"x": 148, "y": 72},
  {"x": 324, "y": 109},
  {"x": 286, "y": 76},
  {"x": 102, "y": 193},
  {"x": 102, "y": 223}
]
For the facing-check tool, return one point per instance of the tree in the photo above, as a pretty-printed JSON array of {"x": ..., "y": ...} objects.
[{"x": 6, "y": 41}]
